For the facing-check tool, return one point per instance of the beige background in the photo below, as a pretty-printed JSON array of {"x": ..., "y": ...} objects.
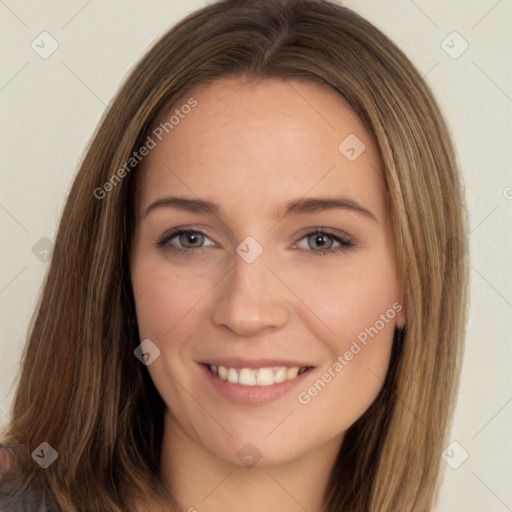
[{"x": 50, "y": 107}]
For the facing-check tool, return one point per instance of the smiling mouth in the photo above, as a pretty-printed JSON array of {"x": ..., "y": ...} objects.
[{"x": 267, "y": 376}]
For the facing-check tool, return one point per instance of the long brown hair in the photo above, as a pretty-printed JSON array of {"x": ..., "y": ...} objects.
[{"x": 84, "y": 392}]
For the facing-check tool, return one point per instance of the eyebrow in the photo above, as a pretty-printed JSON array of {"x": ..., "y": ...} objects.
[{"x": 298, "y": 206}]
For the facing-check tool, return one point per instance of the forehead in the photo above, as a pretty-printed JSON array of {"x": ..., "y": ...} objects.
[{"x": 254, "y": 145}]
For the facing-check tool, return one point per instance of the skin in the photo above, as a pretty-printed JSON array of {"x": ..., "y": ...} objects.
[{"x": 250, "y": 148}]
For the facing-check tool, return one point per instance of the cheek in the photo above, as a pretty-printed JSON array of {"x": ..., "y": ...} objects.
[
  {"x": 164, "y": 298},
  {"x": 355, "y": 313},
  {"x": 167, "y": 305},
  {"x": 347, "y": 299}
]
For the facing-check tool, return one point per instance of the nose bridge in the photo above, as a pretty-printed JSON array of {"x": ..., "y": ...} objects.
[{"x": 251, "y": 298}]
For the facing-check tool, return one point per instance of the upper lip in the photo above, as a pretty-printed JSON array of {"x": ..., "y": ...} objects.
[{"x": 236, "y": 362}]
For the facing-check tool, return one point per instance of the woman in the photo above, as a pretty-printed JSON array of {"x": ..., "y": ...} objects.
[{"x": 256, "y": 297}]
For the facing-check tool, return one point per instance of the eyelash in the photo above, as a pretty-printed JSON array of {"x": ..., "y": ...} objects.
[{"x": 345, "y": 242}]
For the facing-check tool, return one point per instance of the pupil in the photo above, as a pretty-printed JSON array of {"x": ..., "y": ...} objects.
[
  {"x": 191, "y": 239},
  {"x": 321, "y": 241}
]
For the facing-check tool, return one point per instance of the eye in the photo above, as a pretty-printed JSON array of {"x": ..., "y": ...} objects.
[
  {"x": 323, "y": 242},
  {"x": 190, "y": 241},
  {"x": 184, "y": 240}
]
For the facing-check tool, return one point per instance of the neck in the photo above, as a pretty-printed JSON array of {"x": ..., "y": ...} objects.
[{"x": 203, "y": 482}]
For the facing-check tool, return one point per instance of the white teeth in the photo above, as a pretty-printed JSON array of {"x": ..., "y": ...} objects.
[
  {"x": 232, "y": 375},
  {"x": 291, "y": 373},
  {"x": 222, "y": 372},
  {"x": 280, "y": 375},
  {"x": 257, "y": 377},
  {"x": 265, "y": 377},
  {"x": 246, "y": 377}
]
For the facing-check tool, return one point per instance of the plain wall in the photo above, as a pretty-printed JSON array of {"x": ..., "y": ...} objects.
[{"x": 51, "y": 106}]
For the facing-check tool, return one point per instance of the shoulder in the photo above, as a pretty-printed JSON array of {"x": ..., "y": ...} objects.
[{"x": 31, "y": 499}]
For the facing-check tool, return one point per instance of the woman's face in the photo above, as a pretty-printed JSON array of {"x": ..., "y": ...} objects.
[{"x": 284, "y": 279}]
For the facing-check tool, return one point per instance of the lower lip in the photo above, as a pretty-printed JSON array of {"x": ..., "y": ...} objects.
[{"x": 251, "y": 395}]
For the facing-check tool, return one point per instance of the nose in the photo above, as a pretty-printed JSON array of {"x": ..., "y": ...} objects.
[{"x": 250, "y": 299}]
